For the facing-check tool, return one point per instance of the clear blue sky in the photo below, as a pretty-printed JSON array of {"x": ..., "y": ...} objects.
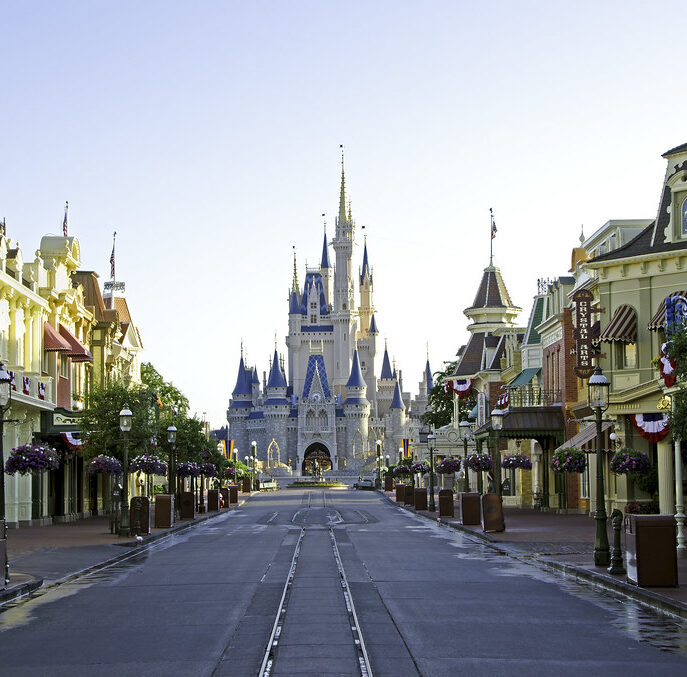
[{"x": 207, "y": 134}]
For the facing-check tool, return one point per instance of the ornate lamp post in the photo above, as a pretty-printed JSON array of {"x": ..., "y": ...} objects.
[
  {"x": 386, "y": 468},
  {"x": 125, "y": 423},
  {"x": 172, "y": 473},
  {"x": 5, "y": 403},
  {"x": 598, "y": 389},
  {"x": 378, "y": 480},
  {"x": 465, "y": 434},
  {"x": 496, "y": 426},
  {"x": 254, "y": 455},
  {"x": 431, "y": 438}
]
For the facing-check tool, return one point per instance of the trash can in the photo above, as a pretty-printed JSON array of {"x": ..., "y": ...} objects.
[
  {"x": 233, "y": 493},
  {"x": 139, "y": 515},
  {"x": 400, "y": 493},
  {"x": 492, "y": 513},
  {"x": 469, "y": 509},
  {"x": 388, "y": 483},
  {"x": 245, "y": 485},
  {"x": 408, "y": 498},
  {"x": 225, "y": 495},
  {"x": 187, "y": 506},
  {"x": 213, "y": 500},
  {"x": 651, "y": 548},
  {"x": 164, "y": 511},
  {"x": 445, "y": 503},
  {"x": 420, "y": 499}
]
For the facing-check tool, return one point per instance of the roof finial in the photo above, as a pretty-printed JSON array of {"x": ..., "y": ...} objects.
[
  {"x": 342, "y": 196},
  {"x": 112, "y": 257},
  {"x": 275, "y": 340},
  {"x": 350, "y": 212},
  {"x": 295, "y": 270},
  {"x": 65, "y": 221},
  {"x": 241, "y": 348},
  {"x": 428, "y": 350},
  {"x": 492, "y": 231},
  {"x": 582, "y": 234}
]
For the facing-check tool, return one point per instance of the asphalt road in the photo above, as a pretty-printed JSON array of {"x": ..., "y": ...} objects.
[{"x": 414, "y": 597}]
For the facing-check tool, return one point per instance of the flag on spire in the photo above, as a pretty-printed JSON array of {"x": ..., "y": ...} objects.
[
  {"x": 493, "y": 224},
  {"x": 65, "y": 221},
  {"x": 112, "y": 257}
]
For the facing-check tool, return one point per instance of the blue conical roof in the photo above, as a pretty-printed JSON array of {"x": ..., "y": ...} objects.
[
  {"x": 243, "y": 386},
  {"x": 276, "y": 379},
  {"x": 386, "y": 366},
  {"x": 366, "y": 266},
  {"x": 255, "y": 376},
  {"x": 356, "y": 379},
  {"x": 398, "y": 399},
  {"x": 428, "y": 372},
  {"x": 325, "y": 254},
  {"x": 373, "y": 325},
  {"x": 294, "y": 305}
]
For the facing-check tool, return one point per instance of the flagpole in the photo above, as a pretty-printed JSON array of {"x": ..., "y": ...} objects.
[{"x": 491, "y": 237}]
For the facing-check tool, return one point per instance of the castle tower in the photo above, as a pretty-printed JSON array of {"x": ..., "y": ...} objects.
[
  {"x": 240, "y": 408},
  {"x": 326, "y": 270},
  {"x": 366, "y": 309},
  {"x": 397, "y": 414},
  {"x": 356, "y": 410},
  {"x": 386, "y": 386}
]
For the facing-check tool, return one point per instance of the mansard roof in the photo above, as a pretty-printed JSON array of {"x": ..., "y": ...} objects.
[
  {"x": 386, "y": 366},
  {"x": 492, "y": 292},
  {"x": 471, "y": 359},
  {"x": 276, "y": 379},
  {"x": 498, "y": 353},
  {"x": 397, "y": 402},
  {"x": 356, "y": 379},
  {"x": 316, "y": 365},
  {"x": 674, "y": 151},
  {"x": 313, "y": 279}
]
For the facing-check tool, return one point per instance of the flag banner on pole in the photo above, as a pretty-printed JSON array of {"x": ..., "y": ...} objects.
[
  {"x": 231, "y": 449},
  {"x": 224, "y": 447},
  {"x": 406, "y": 447}
]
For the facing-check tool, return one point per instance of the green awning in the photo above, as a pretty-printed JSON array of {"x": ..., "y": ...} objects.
[{"x": 524, "y": 377}]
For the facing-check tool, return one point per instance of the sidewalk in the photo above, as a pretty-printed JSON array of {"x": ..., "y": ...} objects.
[
  {"x": 565, "y": 543},
  {"x": 44, "y": 556}
]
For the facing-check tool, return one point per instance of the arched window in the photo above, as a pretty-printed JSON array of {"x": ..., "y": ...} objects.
[{"x": 684, "y": 217}]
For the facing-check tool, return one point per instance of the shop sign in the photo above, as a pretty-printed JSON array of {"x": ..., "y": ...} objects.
[{"x": 583, "y": 332}]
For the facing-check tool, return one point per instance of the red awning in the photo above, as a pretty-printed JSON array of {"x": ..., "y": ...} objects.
[
  {"x": 78, "y": 352},
  {"x": 52, "y": 341}
]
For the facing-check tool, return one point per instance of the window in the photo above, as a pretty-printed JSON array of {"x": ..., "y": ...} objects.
[
  {"x": 313, "y": 306},
  {"x": 626, "y": 355},
  {"x": 64, "y": 366},
  {"x": 683, "y": 219},
  {"x": 313, "y": 319}
]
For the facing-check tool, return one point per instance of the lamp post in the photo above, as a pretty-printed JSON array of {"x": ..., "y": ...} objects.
[
  {"x": 465, "y": 434},
  {"x": 125, "y": 422},
  {"x": 205, "y": 455},
  {"x": 171, "y": 439},
  {"x": 5, "y": 403},
  {"x": 400, "y": 455},
  {"x": 254, "y": 454},
  {"x": 378, "y": 480},
  {"x": 430, "y": 443},
  {"x": 250, "y": 471},
  {"x": 386, "y": 468},
  {"x": 496, "y": 426},
  {"x": 597, "y": 396}
]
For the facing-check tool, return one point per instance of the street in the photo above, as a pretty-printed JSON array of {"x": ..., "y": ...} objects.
[{"x": 343, "y": 583}]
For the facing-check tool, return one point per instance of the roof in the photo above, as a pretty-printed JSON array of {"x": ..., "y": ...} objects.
[
  {"x": 492, "y": 292},
  {"x": 243, "y": 385},
  {"x": 276, "y": 400},
  {"x": 428, "y": 376},
  {"x": 79, "y": 353},
  {"x": 471, "y": 359},
  {"x": 674, "y": 151},
  {"x": 658, "y": 321},
  {"x": 255, "y": 376},
  {"x": 88, "y": 279},
  {"x": 356, "y": 379},
  {"x": 622, "y": 327},
  {"x": 498, "y": 353},
  {"x": 313, "y": 279},
  {"x": 529, "y": 420},
  {"x": 255, "y": 414},
  {"x": 585, "y": 435},
  {"x": 532, "y": 336},
  {"x": 120, "y": 305},
  {"x": 386, "y": 366},
  {"x": 356, "y": 400},
  {"x": 365, "y": 271},
  {"x": 52, "y": 341},
  {"x": 294, "y": 304},
  {"x": 524, "y": 377},
  {"x": 325, "y": 253},
  {"x": 276, "y": 379},
  {"x": 373, "y": 325},
  {"x": 316, "y": 366},
  {"x": 397, "y": 402}
]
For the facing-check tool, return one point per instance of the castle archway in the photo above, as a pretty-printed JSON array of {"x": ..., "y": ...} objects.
[{"x": 316, "y": 459}]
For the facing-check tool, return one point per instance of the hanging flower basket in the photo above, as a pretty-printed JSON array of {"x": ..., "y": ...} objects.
[
  {"x": 229, "y": 473},
  {"x": 107, "y": 465},
  {"x": 478, "y": 462},
  {"x": 402, "y": 470},
  {"x": 29, "y": 458},
  {"x": 188, "y": 469},
  {"x": 208, "y": 469},
  {"x": 630, "y": 460},
  {"x": 420, "y": 467},
  {"x": 149, "y": 464},
  {"x": 448, "y": 466},
  {"x": 568, "y": 460},
  {"x": 517, "y": 461}
]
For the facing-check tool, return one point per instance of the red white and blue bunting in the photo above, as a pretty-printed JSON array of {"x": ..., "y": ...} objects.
[
  {"x": 652, "y": 427},
  {"x": 26, "y": 385},
  {"x": 667, "y": 367},
  {"x": 460, "y": 387},
  {"x": 73, "y": 440},
  {"x": 502, "y": 400}
]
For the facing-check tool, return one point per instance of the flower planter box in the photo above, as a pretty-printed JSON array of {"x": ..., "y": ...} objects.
[
  {"x": 408, "y": 498},
  {"x": 388, "y": 483},
  {"x": 213, "y": 500},
  {"x": 164, "y": 511},
  {"x": 469, "y": 509},
  {"x": 445, "y": 503},
  {"x": 187, "y": 506},
  {"x": 139, "y": 515},
  {"x": 400, "y": 493},
  {"x": 420, "y": 499},
  {"x": 233, "y": 493}
]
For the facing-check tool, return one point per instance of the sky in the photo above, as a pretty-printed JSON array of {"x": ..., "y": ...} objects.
[{"x": 207, "y": 135}]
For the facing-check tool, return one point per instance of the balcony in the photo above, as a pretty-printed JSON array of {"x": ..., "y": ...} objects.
[{"x": 534, "y": 396}]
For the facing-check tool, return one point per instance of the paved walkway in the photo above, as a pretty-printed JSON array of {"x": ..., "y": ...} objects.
[{"x": 565, "y": 542}]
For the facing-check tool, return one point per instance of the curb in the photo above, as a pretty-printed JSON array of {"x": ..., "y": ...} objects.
[
  {"x": 648, "y": 598},
  {"x": 23, "y": 589}
]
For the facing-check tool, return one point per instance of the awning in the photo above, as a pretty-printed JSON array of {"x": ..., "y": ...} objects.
[
  {"x": 524, "y": 377},
  {"x": 585, "y": 435},
  {"x": 52, "y": 341},
  {"x": 658, "y": 321},
  {"x": 622, "y": 327},
  {"x": 78, "y": 352}
]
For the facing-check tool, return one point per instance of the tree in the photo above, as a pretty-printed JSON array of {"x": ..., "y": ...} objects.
[
  {"x": 677, "y": 350},
  {"x": 171, "y": 400},
  {"x": 440, "y": 407}
]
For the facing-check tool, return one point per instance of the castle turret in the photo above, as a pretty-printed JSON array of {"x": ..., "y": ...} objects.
[
  {"x": 356, "y": 407},
  {"x": 240, "y": 406},
  {"x": 366, "y": 309},
  {"x": 385, "y": 385},
  {"x": 326, "y": 271}
]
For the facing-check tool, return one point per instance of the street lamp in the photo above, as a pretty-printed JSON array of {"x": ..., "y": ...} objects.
[
  {"x": 250, "y": 472},
  {"x": 125, "y": 423},
  {"x": 496, "y": 426},
  {"x": 400, "y": 455},
  {"x": 5, "y": 403},
  {"x": 171, "y": 439},
  {"x": 254, "y": 454},
  {"x": 430, "y": 442},
  {"x": 597, "y": 396},
  {"x": 386, "y": 469},
  {"x": 465, "y": 434}
]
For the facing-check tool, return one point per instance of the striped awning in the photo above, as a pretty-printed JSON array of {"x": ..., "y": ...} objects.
[
  {"x": 658, "y": 321},
  {"x": 622, "y": 327},
  {"x": 52, "y": 341},
  {"x": 78, "y": 352},
  {"x": 585, "y": 435}
]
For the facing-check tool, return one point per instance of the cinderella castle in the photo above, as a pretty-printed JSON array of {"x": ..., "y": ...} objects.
[{"x": 333, "y": 407}]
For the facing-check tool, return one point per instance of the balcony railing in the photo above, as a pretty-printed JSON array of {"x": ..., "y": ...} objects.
[{"x": 534, "y": 396}]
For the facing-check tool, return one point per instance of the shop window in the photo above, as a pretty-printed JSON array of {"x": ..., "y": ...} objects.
[
  {"x": 64, "y": 366},
  {"x": 626, "y": 355}
]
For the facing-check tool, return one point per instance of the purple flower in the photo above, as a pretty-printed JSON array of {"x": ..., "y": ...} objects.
[
  {"x": 517, "y": 461},
  {"x": 421, "y": 467},
  {"x": 32, "y": 458},
  {"x": 401, "y": 470},
  {"x": 630, "y": 460},
  {"x": 188, "y": 469},
  {"x": 149, "y": 464},
  {"x": 448, "y": 466},
  {"x": 478, "y": 462},
  {"x": 208, "y": 470},
  {"x": 568, "y": 460},
  {"x": 107, "y": 465}
]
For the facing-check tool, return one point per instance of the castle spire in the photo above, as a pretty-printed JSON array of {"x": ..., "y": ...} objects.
[
  {"x": 366, "y": 266},
  {"x": 294, "y": 285},
  {"x": 325, "y": 252},
  {"x": 342, "y": 195}
]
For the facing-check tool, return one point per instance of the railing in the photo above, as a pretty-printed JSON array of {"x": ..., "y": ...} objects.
[{"x": 534, "y": 396}]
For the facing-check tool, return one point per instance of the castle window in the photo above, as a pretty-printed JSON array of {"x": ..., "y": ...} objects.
[
  {"x": 313, "y": 306},
  {"x": 684, "y": 217},
  {"x": 313, "y": 319},
  {"x": 343, "y": 306}
]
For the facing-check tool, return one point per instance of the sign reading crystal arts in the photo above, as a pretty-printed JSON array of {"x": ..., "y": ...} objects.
[{"x": 583, "y": 333}]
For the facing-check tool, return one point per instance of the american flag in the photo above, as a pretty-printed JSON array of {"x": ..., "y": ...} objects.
[
  {"x": 65, "y": 221},
  {"x": 493, "y": 225}
]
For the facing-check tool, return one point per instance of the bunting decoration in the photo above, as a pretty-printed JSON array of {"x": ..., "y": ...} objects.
[
  {"x": 460, "y": 387},
  {"x": 652, "y": 427},
  {"x": 41, "y": 390},
  {"x": 667, "y": 367},
  {"x": 72, "y": 440},
  {"x": 502, "y": 400},
  {"x": 13, "y": 381},
  {"x": 26, "y": 385}
]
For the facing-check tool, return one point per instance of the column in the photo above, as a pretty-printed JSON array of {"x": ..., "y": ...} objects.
[{"x": 666, "y": 479}]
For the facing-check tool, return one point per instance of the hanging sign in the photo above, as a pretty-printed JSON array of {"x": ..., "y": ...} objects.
[
  {"x": 481, "y": 409},
  {"x": 583, "y": 333}
]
